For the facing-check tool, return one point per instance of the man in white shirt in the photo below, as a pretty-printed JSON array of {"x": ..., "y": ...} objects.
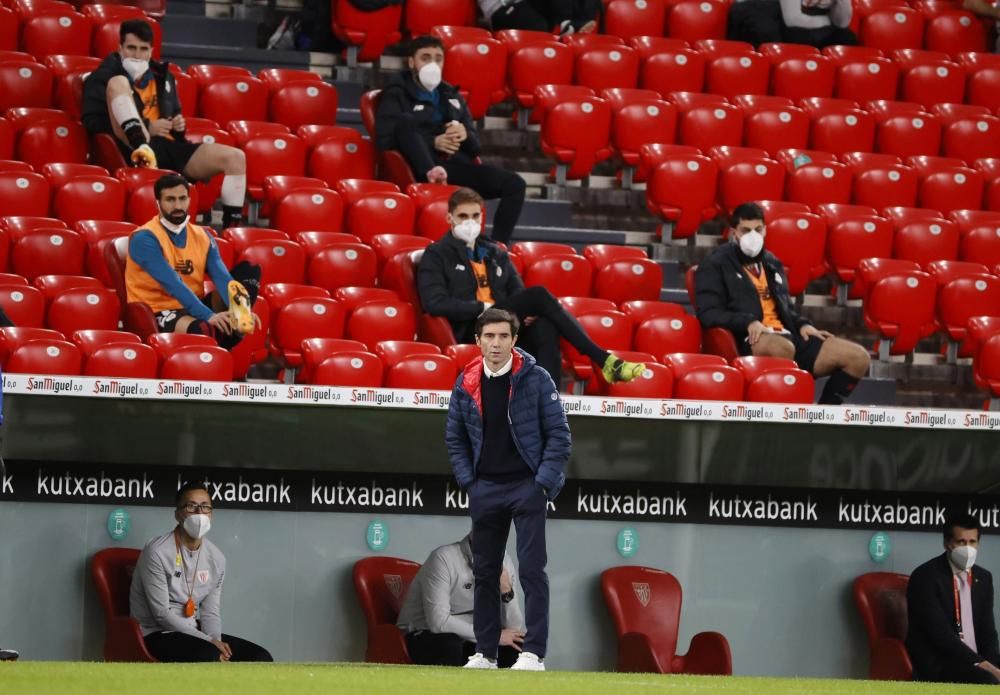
[{"x": 437, "y": 612}]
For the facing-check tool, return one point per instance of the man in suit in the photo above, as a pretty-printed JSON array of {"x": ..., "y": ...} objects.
[
  {"x": 952, "y": 636},
  {"x": 743, "y": 288}
]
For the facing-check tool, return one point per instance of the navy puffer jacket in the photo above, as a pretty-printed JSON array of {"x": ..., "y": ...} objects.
[{"x": 538, "y": 423}]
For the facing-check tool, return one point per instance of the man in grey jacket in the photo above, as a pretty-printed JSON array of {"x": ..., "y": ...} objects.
[
  {"x": 177, "y": 590},
  {"x": 437, "y": 612}
]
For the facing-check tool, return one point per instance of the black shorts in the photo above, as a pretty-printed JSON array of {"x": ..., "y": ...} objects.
[
  {"x": 806, "y": 351},
  {"x": 172, "y": 155},
  {"x": 166, "y": 320}
]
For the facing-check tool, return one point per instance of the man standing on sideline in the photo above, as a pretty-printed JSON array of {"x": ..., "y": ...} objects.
[
  {"x": 436, "y": 615},
  {"x": 508, "y": 441},
  {"x": 952, "y": 636},
  {"x": 177, "y": 590}
]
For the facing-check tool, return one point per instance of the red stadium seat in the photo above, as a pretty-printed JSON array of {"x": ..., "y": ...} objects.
[
  {"x": 676, "y": 69},
  {"x": 463, "y": 354},
  {"x": 789, "y": 385},
  {"x": 343, "y": 265},
  {"x": 89, "y": 340},
  {"x": 987, "y": 369},
  {"x": 226, "y": 95},
  {"x": 277, "y": 187},
  {"x": 668, "y": 334},
  {"x": 375, "y": 321},
  {"x": 391, "y": 352},
  {"x": 761, "y": 179},
  {"x": 348, "y": 368},
  {"x": 299, "y": 319},
  {"x": 276, "y": 78},
  {"x": 907, "y": 136},
  {"x": 774, "y": 129},
  {"x": 692, "y": 20},
  {"x": 900, "y": 309},
  {"x": 681, "y": 192},
  {"x": 576, "y": 133},
  {"x": 13, "y": 337},
  {"x": 51, "y": 286},
  {"x": 388, "y": 245},
  {"x": 280, "y": 260},
  {"x": 420, "y": 16},
  {"x": 380, "y": 213},
  {"x": 607, "y": 67},
  {"x": 800, "y": 76},
  {"x": 951, "y": 189},
  {"x": 639, "y": 311},
  {"x": 316, "y": 350},
  {"x": 638, "y": 124},
  {"x": 961, "y": 300},
  {"x": 610, "y": 329},
  {"x": 709, "y": 126},
  {"x": 244, "y": 130},
  {"x": 981, "y": 245},
  {"x": 65, "y": 33},
  {"x": 871, "y": 270},
  {"x": 267, "y": 155},
  {"x": 713, "y": 48},
  {"x": 927, "y": 241},
  {"x": 52, "y": 142},
  {"x": 90, "y": 198},
  {"x": 955, "y": 32},
  {"x": 515, "y": 39},
  {"x": 887, "y": 186},
  {"x": 45, "y": 356},
  {"x": 854, "y": 239},
  {"x": 314, "y": 242},
  {"x": 812, "y": 184},
  {"x": 304, "y": 103},
  {"x": 533, "y": 65},
  {"x": 930, "y": 83},
  {"x": 628, "y": 19},
  {"x": 564, "y": 275},
  {"x": 8, "y": 30},
  {"x": 279, "y": 294},
  {"x": 84, "y": 308},
  {"x": 578, "y": 306},
  {"x": 949, "y": 113},
  {"x": 59, "y": 173},
  {"x": 24, "y": 194},
  {"x": 983, "y": 87},
  {"x": 531, "y": 251},
  {"x": 334, "y": 160},
  {"x": 24, "y": 83},
  {"x": 452, "y": 34},
  {"x": 310, "y": 210},
  {"x": 112, "y": 570},
  {"x": 122, "y": 360},
  {"x": 884, "y": 109},
  {"x": 881, "y": 600},
  {"x": 480, "y": 68},
  {"x": 48, "y": 252},
  {"x": 25, "y": 306},
  {"x": 867, "y": 80},
  {"x": 972, "y": 139},
  {"x": 366, "y": 33},
  {"x": 198, "y": 363},
  {"x": 7, "y": 142},
  {"x": 730, "y": 75},
  {"x": 381, "y": 584},
  {"x": 852, "y": 131},
  {"x": 849, "y": 54},
  {"x": 433, "y": 372},
  {"x": 315, "y": 134},
  {"x": 752, "y": 366},
  {"x": 800, "y": 242},
  {"x": 601, "y": 255},
  {"x": 898, "y": 27},
  {"x": 709, "y": 384},
  {"x": 243, "y": 237},
  {"x": 353, "y": 190},
  {"x": 353, "y": 297}
]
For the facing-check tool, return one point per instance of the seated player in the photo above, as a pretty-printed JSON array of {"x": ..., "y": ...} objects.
[
  {"x": 463, "y": 274},
  {"x": 168, "y": 258},
  {"x": 429, "y": 122},
  {"x": 135, "y": 99},
  {"x": 436, "y": 615},
  {"x": 176, "y": 590},
  {"x": 743, "y": 288},
  {"x": 561, "y": 17}
]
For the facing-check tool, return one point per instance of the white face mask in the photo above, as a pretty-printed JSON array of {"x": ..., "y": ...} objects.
[
  {"x": 963, "y": 556},
  {"x": 467, "y": 231},
  {"x": 751, "y": 243},
  {"x": 135, "y": 68},
  {"x": 197, "y": 525},
  {"x": 173, "y": 225},
  {"x": 430, "y": 76}
]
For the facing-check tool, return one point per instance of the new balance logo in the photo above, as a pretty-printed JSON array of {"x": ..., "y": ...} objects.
[{"x": 184, "y": 267}]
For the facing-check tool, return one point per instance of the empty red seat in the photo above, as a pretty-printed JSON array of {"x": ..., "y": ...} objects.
[
  {"x": 433, "y": 372},
  {"x": 657, "y": 335},
  {"x": 852, "y": 131},
  {"x": 84, "y": 308},
  {"x": 801, "y": 76},
  {"x": 380, "y": 213},
  {"x": 375, "y": 321},
  {"x": 983, "y": 87},
  {"x": 313, "y": 242},
  {"x": 629, "y": 279},
  {"x": 89, "y": 340},
  {"x": 972, "y": 139},
  {"x": 638, "y": 124},
  {"x": 576, "y": 133},
  {"x": 386, "y": 246},
  {"x": 607, "y": 67},
  {"x": 900, "y": 309},
  {"x": 45, "y": 356},
  {"x": 600, "y": 255},
  {"x": 709, "y": 383},
  {"x": 66, "y": 33},
  {"x": 815, "y": 183},
  {"x": 348, "y": 368},
  {"x": 47, "y": 142},
  {"x": 799, "y": 240},
  {"x": 267, "y": 155},
  {"x": 708, "y": 126},
  {"x": 480, "y": 68},
  {"x": 244, "y": 130},
  {"x": 752, "y": 366},
  {"x": 585, "y": 42},
  {"x": 951, "y": 189},
  {"x": 303, "y": 103},
  {"x": 909, "y": 135},
  {"x": 124, "y": 360},
  {"x": 926, "y": 241},
  {"x": 898, "y": 27},
  {"x": 632, "y": 18},
  {"x": 309, "y": 210},
  {"x": 563, "y": 275},
  {"x": 887, "y": 186},
  {"x": 730, "y": 75},
  {"x": 336, "y": 159},
  {"x": 955, "y": 32},
  {"x": 90, "y": 198},
  {"x": 316, "y": 350},
  {"x": 391, "y": 352},
  {"x": 8, "y": 30},
  {"x": 774, "y": 129},
  {"x": 48, "y": 252},
  {"x": 782, "y": 385},
  {"x": 760, "y": 179},
  {"x": 681, "y": 192},
  {"x": 366, "y": 33},
  {"x": 673, "y": 70},
  {"x": 51, "y": 286},
  {"x": 24, "y": 83},
  {"x": 981, "y": 245},
  {"x": 933, "y": 82},
  {"x": 60, "y": 173},
  {"x": 24, "y": 193},
  {"x": 692, "y": 20},
  {"x": 198, "y": 363},
  {"x": 25, "y": 306},
  {"x": 299, "y": 319},
  {"x": 280, "y": 260},
  {"x": 851, "y": 240},
  {"x": 963, "y": 299},
  {"x": 225, "y": 95},
  {"x": 867, "y": 80},
  {"x": 532, "y": 65},
  {"x": 279, "y": 294},
  {"x": 352, "y": 297},
  {"x": 531, "y": 251},
  {"x": 243, "y": 237},
  {"x": 12, "y": 337},
  {"x": 343, "y": 265}
]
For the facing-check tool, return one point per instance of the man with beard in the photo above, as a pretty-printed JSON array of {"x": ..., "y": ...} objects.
[
  {"x": 743, "y": 288},
  {"x": 168, "y": 258}
]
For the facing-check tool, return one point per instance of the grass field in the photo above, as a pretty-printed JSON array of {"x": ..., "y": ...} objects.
[{"x": 40, "y": 678}]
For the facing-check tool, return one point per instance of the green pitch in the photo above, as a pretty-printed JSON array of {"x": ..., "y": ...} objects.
[{"x": 40, "y": 678}]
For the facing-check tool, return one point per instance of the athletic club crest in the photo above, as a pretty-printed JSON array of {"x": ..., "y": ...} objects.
[
  {"x": 641, "y": 591},
  {"x": 394, "y": 583}
]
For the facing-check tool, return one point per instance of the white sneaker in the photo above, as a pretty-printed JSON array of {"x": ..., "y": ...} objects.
[
  {"x": 527, "y": 661},
  {"x": 477, "y": 660}
]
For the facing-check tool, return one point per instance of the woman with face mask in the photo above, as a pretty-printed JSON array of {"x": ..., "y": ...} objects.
[
  {"x": 177, "y": 590},
  {"x": 952, "y": 636}
]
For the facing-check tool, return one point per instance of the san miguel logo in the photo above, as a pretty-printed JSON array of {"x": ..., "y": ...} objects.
[
  {"x": 394, "y": 583},
  {"x": 642, "y": 592}
]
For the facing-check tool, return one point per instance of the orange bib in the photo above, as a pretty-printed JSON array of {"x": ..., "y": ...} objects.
[
  {"x": 767, "y": 304},
  {"x": 188, "y": 263},
  {"x": 483, "y": 291}
]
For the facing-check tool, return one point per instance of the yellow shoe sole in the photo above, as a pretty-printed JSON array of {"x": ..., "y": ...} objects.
[{"x": 239, "y": 305}]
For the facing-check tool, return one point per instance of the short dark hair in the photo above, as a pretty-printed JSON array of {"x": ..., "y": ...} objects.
[
  {"x": 418, "y": 43},
  {"x": 961, "y": 520},
  {"x": 746, "y": 211},
  {"x": 186, "y": 488},
  {"x": 494, "y": 315},
  {"x": 170, "y": 180},
  {"x": 139, "y": 28},
  {"x": 463, "y": 196}
]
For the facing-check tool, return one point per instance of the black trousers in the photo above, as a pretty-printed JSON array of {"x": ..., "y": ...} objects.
[
  {"x": 179, "y": 647},
  {"x": 541, "y": 338},
  {"x": 491, "y": 182},
  {"x": 957, "y": 672},
  {"x": 493, "y": 506},
  {"x": 760, "y": 21},
  {"x": 446, "y": 649},
  {"x": 545, "y": 15},
  {"x": 821, "y": 38}
]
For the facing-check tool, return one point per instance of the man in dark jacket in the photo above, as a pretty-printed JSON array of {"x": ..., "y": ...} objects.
[
  {"x": 743, "y": 288},
  {"x": 135, "y": 99},
  {"x": 462, "y": 274},
  {"x": 508, "y": 441},
  {"x": 951, "y": 635},
  {"x": 429, "y": 122}
]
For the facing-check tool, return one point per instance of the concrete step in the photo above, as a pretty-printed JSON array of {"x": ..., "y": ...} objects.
[
  {"x": 253, "y": 59},
  {"x": 580, "y": 237},
  {"x": 209, "y": 31},
  {"x": 192, "y": 8},
  {"x": 539, "y": 213}
]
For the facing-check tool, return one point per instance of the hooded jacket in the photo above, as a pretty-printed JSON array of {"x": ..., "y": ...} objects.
[{"x": 537, "y": 423}]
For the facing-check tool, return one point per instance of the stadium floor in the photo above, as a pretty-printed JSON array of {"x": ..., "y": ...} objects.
[{"x": 39, "y": 678}]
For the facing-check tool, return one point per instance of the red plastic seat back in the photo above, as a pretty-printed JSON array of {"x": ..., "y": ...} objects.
[
  {"x": 381, "y": 584},
  {"x": 112, "y": 570},
  {"x": 646, "y": 601},
  {"x": 881, "y": 601}
]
